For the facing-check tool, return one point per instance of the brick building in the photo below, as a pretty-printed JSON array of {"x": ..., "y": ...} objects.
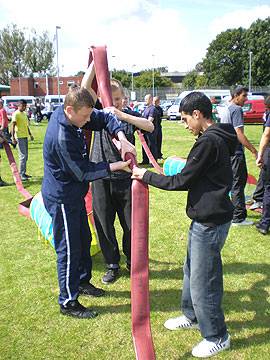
[{"x": 42, "y": 86}]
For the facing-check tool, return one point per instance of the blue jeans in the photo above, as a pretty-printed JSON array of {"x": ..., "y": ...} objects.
[{"x": 203, "y": 279}]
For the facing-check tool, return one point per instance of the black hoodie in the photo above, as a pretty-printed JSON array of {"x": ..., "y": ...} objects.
[{"x": 207, "y": 176}]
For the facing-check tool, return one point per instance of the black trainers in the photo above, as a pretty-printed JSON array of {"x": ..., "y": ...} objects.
[
  {"x": 75, "y": 309},
  {"x": 110, "y": 276},
  {"x": 90, "y": 290},
  {"x": 28, "y": 176}
]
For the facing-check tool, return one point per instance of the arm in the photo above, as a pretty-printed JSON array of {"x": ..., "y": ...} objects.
[
  {"x": 12, "y": 130},
  {"x": 72, "y": 162},
  {"x": 139, "y": 122},
  {"x": 30, "y": 134},
  {"x": 88, "y": 79},
  {"x": 244, "y": 140},
  {"x": 265, "y": 139},
  {"x": 196, "y": 166}
]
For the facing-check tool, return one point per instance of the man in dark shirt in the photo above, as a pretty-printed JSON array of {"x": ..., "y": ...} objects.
[
  {"x": 112, "y": 194},
  {"x": 156, "y": 103},
  {"x": 207, "y": 176},
  {"x": 151, "y": 114},
  {"x": 263, "y": 161}
]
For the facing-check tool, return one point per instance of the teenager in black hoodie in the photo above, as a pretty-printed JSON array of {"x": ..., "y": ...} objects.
[{"x": 207, "y": 177}]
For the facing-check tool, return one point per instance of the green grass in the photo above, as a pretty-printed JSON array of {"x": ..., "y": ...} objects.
[{"x": 30, "y": 324}]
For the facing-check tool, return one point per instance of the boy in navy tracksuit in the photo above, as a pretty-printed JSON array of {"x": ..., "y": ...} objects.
[
  {"x": 112, "y": 194},
  {"x": 67, "y": 172}
]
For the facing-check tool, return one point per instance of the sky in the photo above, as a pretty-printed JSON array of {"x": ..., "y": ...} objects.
[{"x": 139, "y": 34}]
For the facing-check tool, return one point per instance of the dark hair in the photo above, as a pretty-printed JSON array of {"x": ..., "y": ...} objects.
[
  {"x": 22, "y": 102},
  {"x": 238, "y": 90},
  {"x": 196, "y": 100},
  {"x": 78, "y": 97}
]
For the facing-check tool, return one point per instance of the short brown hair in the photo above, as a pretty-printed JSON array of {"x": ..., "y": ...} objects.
[
  {"x": 116, "y": 85},
  {"x": 78, "y": 97}
]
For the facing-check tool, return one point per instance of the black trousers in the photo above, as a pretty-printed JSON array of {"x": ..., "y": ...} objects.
[
  {"x": 265, "y": 220},
  {"x": 159, "y": 142},
  {"x": 239, "y": 168},
  {"x": 111, "y": 197},
  {"x": 259, "y": 191},
  {"x": 151, "y": 140}
]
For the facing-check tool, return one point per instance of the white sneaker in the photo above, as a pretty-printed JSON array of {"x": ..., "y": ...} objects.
[
  {"x": 209, "y": 348},
  {"x": 242, "y": 223},
  {"x": 180, "y": 322},
  {"x": 256, "y": 205}
]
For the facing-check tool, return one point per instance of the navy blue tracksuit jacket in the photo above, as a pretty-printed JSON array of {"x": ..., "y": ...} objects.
[{"x": 67, "y": 172}]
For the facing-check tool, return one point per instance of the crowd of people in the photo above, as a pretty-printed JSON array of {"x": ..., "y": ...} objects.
[{"x": 215, "y": 166}]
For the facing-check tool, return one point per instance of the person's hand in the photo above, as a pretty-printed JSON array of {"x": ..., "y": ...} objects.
[
  {"x": 255, "y": 154},
  {"x": 259, "y": 160},
  {"x": 120, "y": 165},
  {"x": 13, "y": 140},
  {"x": 31, "y": 137},
  {"x": 138, "y": 173},
  {"x": 127, "y": 147},
  {"x": 114, "y": 111}
]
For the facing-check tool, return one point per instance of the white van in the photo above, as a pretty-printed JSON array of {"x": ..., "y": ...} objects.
[
  {"x": 10, "y": 102},
  {"x": 173, "y": 111},
  {"x": 52, "y": 101}
]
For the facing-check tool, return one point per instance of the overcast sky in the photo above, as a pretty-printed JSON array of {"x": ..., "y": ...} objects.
[{"x": 138, "y": 33}]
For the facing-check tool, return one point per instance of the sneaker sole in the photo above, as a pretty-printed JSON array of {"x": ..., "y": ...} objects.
[
  {"x": 192, "y": 327},
  {"x": 78, "y": 317}
]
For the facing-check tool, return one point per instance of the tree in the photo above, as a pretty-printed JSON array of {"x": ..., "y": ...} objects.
[
  {"x": 145, "y": 80},
  {"x": 19, "y": 56},
  {"x": 39, "y": 53},
  {"x": 12, "y": 45},
  {"x": 123, "y": 76},
  {"x": 189, "y": 81},
  {"x": 257, "y": 40},
  {"x": 224, "y": 63}
]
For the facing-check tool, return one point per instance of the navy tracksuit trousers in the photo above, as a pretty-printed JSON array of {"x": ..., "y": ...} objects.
[{"x": 72, "y": 238}]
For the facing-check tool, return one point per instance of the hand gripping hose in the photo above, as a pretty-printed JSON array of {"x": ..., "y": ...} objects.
[{"x": 140, "y": 307}]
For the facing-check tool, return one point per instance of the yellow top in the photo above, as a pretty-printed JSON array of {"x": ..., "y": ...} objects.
[{"x": 21, "y": 127}]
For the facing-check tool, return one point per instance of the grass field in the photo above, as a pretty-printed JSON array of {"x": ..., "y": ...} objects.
[{"x": 31, "y": 327}]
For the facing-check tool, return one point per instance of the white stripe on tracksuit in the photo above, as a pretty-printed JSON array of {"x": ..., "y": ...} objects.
[{"x": 68, "y": 254}]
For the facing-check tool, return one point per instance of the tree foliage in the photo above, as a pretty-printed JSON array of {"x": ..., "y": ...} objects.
[
  {"x": 22, "y": 57},
  {"x": 142, "y": 80},
  {"x": 227, "y": 58}
]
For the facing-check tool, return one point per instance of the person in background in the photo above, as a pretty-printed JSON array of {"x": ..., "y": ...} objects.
[
  {"x": 263, "y": 161},
  {"x": 233, "y": 114},
  {"x": 4, "y": 120},
  {"x": 207, "y": 177},
  {"x": 2, "y": 139},
  {"x": 150, "y": 113},
  {"x": 156, "y": 103},
  {"x": 19, "y": 135}
]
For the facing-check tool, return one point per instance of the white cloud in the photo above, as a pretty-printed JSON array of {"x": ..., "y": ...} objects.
[
  {"x": 238, "y": 18},
  {"x": 133, "y": 31}
]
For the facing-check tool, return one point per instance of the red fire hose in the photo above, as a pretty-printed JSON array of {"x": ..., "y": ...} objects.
[{"x": 140, "y": 307}]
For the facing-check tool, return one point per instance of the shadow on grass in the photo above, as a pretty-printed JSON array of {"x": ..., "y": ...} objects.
[{"x": 253, "y": 299}]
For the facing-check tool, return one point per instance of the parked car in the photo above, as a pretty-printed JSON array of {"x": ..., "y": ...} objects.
[
  {"x": 253, "y": 109},
  {"x": 165, "y": 105}
]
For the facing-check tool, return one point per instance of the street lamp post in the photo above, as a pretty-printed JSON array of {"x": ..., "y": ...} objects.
[
  {"x": 17, "y": 62},
  {"x": 153, "y": 75},
  {"x": 111, "y": 73},
  {"x": 132, "y": 78},
  {"x": 57, "y": 60},
  {"x": 249, "y": 71}
]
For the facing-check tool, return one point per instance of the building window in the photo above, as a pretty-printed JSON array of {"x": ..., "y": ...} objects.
[
  {"x": 70, "y": 82},
  {"x": 35, "y": 85}
]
